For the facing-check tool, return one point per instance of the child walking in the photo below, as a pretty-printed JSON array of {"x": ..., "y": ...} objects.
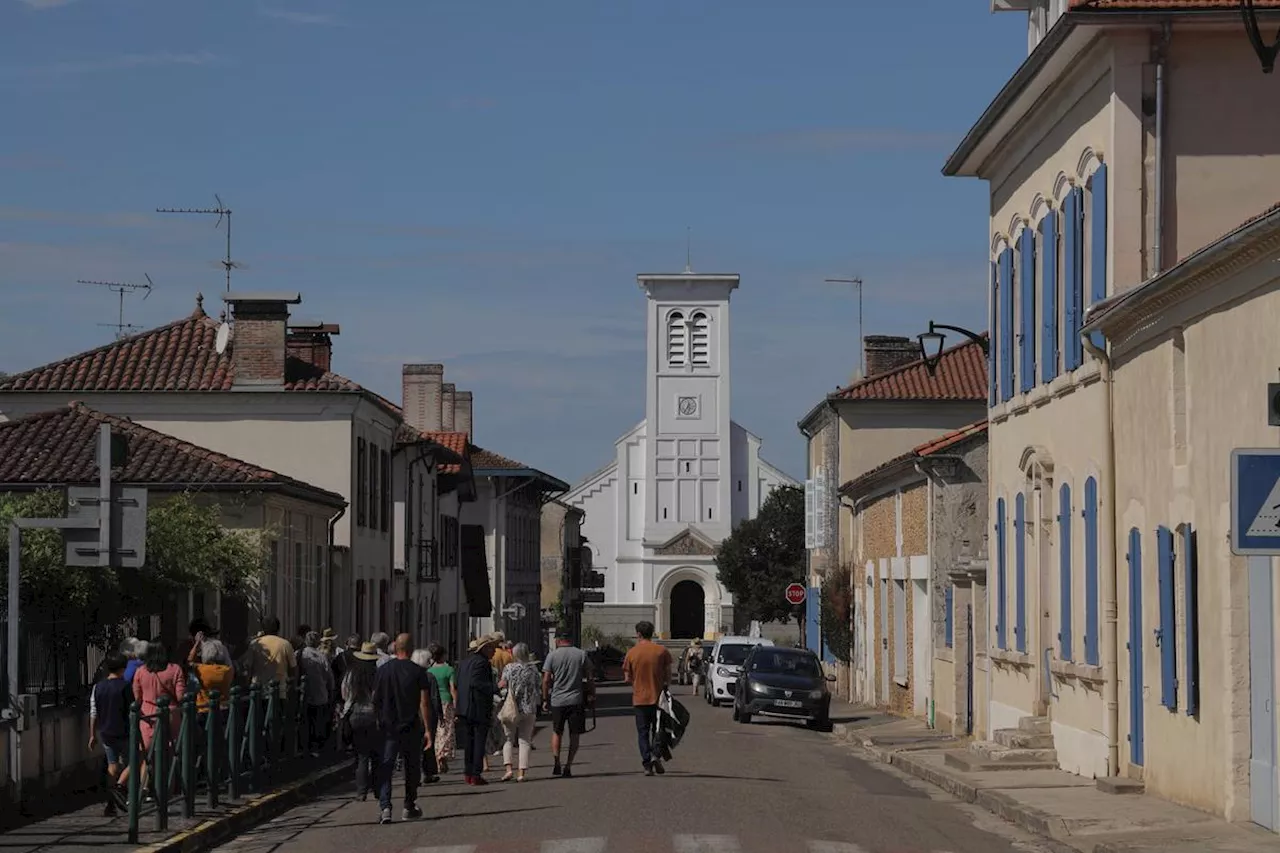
[{"x": 109, "y": 725}]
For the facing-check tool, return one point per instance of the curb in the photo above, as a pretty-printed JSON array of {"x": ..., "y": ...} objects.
[{"x": 257, "y": 811}]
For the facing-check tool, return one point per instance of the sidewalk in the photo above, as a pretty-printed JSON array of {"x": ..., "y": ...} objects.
[
  {"x": 1052, "y": 803},
  {"x": 86, "y": 829}
]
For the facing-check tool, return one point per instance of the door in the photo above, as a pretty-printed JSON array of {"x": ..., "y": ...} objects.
[
  {"x": 1135, "y": 647},
  {"x": 884, "y": 634},
  {"x": 688, "y": 613},
  {"x": 1262, "y": 695}
]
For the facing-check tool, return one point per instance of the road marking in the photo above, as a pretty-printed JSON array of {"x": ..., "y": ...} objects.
[
  {"x": 834, "y": 847},
  {"x": 574, "y": 845},
  {"x": 706, "y": 844}
]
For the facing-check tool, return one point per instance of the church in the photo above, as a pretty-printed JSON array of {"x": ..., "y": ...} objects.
[{"x": 680, "y": 480}]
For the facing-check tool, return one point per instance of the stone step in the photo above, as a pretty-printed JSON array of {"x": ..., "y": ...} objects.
[
  {"x": 1035, "y": 725},
  {"x": 1018, "y": 739},
  {"x": 1002, "y": 754},
  {"x": 1119, "y": 785},
  {"x": 971, "y": 762}
]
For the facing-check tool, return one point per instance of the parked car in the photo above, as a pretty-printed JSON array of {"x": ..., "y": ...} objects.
[
  {"x": 724, "y": 665},
  {"x": 789, "y": 683}
]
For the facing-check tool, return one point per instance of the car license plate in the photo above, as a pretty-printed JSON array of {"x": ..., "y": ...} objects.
[{"x": 786, "y": 703}]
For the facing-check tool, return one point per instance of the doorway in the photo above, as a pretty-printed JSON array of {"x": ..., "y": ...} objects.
[{"x": 688, "y": 611}]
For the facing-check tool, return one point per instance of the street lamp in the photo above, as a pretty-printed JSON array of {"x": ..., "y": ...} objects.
[
  {"x": 1267, "y": 53},
  {"x": 935, "y": 339}
]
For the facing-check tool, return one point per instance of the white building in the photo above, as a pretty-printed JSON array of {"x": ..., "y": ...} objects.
[{"x": 682, "y": 479}]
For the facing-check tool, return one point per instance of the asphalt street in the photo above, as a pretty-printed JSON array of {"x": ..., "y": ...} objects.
[{"x": 730, "y": 788}]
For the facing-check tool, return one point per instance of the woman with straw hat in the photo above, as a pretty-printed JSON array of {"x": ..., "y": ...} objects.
[{"x": 359, "y": 721}]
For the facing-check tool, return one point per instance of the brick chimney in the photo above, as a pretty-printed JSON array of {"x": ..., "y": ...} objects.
[
  {"x": 448, "y": 393},
  {"x": 421, "y": 389},
  {"x": 259, "y": 321},
  {"x": 312, "y": 343},
  {"x": 883, "y": 353},
  {"x": 462, "y": 413}
]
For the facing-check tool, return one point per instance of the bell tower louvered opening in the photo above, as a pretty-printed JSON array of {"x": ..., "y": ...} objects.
[
  {"x": 700, "y": 339},
  {"x": 677, "y": 339}
]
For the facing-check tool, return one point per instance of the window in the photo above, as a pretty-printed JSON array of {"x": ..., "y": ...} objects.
[
  {"x": 1097, "y": 221},
  {"x": 948, "y": 617},
  {"x": 1167, "y": 633},
  {"x": 362, "y": 482},
  {"x": 1049, "y": 297},
  {"x": 1027, "y": 309},
  {"x": 995, "y": 340},
  {"x": 1191, "y": 617},
  {"x": 386, "y": 490},
  {"x": 375, "y": 495},
  {"x": 1073, "y": 278},
  {"x": 1020, "y": 573},
  {"x": 1090, "y": 514},
  {"x": 677, "y": 339},
  {"x": 900, "y": 632},
  {"x": 700, "y": 339},
  {"x": 300, "y": 612},
  {"x": 1002, "y": 638},
  {"x": 1064, "y": 572},
  {"x": 1006, "y": 324},
  {"x": 448, "y": 546},
  {"x": 382, "y": 604},
  {"x": 360, "y": 605}
]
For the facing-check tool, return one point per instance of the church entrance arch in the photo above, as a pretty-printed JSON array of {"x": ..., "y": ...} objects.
[{"x": 688, "y": 610}]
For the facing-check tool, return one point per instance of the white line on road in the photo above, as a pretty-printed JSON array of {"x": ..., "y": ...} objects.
[
  {"x": 706, "y": 844},
  {"x": 834, "y": 847},
  {"x": 574, "y": 845}
]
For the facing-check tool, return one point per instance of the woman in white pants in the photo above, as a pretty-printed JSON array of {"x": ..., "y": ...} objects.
[{"x": 521, "y": 681}]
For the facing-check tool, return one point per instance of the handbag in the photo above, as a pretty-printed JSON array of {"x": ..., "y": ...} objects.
[{"x": 509, "y": 712}]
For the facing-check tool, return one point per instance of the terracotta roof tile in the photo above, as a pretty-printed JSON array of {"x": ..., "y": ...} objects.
[
  {"x": 177, "y": 357},
  {"x": 59, "y": 447},
  {"x": 961, "y": 375},
  {"x": 1145, "y": 5},
  {"x": 951, "y": 439},
  {"x": 487, "y": 460},
  {"x": 455, "y": 442}
]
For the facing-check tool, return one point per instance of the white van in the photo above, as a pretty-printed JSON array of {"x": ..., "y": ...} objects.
[{"x": 724, "y": 666}]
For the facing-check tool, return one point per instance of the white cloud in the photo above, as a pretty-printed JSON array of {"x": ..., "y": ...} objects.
[
  {"x": 41, "y": 5},
  {"x": 115, "y": 63},
  {"x": 312, "y": 19}
]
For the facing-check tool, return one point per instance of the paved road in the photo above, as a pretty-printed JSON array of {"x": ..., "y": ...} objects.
[{"x": 770, "y": 786}]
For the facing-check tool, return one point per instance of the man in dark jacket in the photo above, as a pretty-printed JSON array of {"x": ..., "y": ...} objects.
[{"x": 476, "y": 689}]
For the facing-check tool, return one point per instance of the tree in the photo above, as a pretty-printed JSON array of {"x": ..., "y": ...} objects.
[
  {"x": 836, "y": 613},
  {"x": 764, "y": 555}
]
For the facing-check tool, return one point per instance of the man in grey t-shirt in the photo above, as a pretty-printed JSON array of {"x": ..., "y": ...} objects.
[{"x": 566, "y": 687}]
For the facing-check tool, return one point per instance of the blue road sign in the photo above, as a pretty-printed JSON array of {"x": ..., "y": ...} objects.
[{"x": 1255, "y": 501}]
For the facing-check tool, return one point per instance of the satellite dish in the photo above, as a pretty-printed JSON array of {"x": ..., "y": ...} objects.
[{"x": 222, "y": 339}]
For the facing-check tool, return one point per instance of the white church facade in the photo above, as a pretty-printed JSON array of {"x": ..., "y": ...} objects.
[{"x": 682, "y": 479}]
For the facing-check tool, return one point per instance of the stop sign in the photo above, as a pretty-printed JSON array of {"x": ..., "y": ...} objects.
[{"x": 796, "y": 594}]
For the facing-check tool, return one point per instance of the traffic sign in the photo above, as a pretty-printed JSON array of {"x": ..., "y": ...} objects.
[
  {"x": 796, "y": 594},
  {"x": 1255, "y": 501}
]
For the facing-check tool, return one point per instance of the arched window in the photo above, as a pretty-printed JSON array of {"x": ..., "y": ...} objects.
[
  {"x": 677, "y": 339},
  {"x": 700, "y": 339}
]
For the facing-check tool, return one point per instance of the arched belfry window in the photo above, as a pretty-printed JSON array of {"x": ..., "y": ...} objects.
[
  {"x": 677, "y": 339},
  {"x": 700, "y": 339}
]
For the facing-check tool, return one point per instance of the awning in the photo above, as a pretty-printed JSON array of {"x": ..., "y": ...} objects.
[{"x": 475, "y": 571}]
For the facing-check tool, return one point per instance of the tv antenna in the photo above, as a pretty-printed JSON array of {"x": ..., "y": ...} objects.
[
  {"x": 122, "y": 328},
  {"x": 222, "y": 212},
  {"x": 856, "y": 282}
]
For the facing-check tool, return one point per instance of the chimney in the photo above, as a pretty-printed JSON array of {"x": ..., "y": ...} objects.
[
  {"x": 420, "y": 386},
  {"x": 462, "y": 413},
  {"x": 883, "y": 353},
  {"x": 257, "y": 351},
  {"x": 447, "y": 419},
  {"x": 311, "y": 342}
]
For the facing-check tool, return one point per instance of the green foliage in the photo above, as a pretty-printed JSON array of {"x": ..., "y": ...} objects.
[
  {"x": 836, "y": 613},
  {"x": 591, "y": 634},
  {"x": 187, "y": 546},
  {"x": 47, "y": 583},
  {"x": 763, "y": 555}
]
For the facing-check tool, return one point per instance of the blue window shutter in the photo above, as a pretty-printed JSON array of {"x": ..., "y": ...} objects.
[
  {"x": 1001, "y": 595},
  {"x": 1020, "y": 572},
  {"x": 1137, "y": 673},
  {"x": 1098, "y": 242},
  {"x": 1027, "y": 314},
  {"x": 1191, "y": 575},
  {"x": 1091, "y": 571},
  {"x": 949, "y": 617},
  {"x": 813, "y": 638},
  {"x": 1166, "y": 633},
  {"x": 1006, "y": 324},
  {"x": 1049, "y": 297},
  {"x": 993, "y": 377},
  {"x": 1064, "y": 572},
  {"x": 1073, "y": 271}
]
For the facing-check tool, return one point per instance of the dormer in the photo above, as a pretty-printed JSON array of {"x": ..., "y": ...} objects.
[{"x": 1041, "y": 16}]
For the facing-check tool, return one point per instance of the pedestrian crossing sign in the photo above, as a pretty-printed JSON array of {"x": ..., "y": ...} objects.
[{"x": 1255, "y": 501}]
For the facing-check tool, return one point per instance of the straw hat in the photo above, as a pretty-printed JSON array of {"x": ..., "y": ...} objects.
[
  {"x": 328, "y": 634},
  {"x": 481, "y": 642},
  {"x": 368, "y": 651}
]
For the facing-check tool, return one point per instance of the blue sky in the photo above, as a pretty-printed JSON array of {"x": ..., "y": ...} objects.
[{"x": 478, "y": 184}]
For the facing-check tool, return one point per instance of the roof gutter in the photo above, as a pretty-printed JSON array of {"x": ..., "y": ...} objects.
[
  {"x": 864, "y": 485},
  {"x": 556, "y": 485},
  {"x": 804, "y": 424}
]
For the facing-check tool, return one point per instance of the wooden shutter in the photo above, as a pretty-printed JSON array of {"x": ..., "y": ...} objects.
[
  {"x": 1027, "y": 310},
  {"x": 1090, "y": 514},
  {"x": 1191, "y": 575},
  {"x": 1073, "y": 272},
  {"x": 1020, "y": 572},
  {"x": 1098, "y": 242},
  {"x": 1166, "y": 633},
  {"x": 1001, "y": 636},
  {"x": 1006, "y": 324},
  {"x": 1049, "y": 297},
  {"x": 1064, "y": 572},
  {"x": 949, "y": 617},
  {"x": 993, "y": 377}
]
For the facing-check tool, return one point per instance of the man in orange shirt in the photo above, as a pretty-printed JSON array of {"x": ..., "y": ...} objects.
[{"x": 647, "y": 668}]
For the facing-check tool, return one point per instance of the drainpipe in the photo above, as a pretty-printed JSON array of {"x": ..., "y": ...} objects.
[
  {"x": 1107, "y": 542},
  {"x": 1162, "y": 62},
  {"x": 333, "y": 522}
]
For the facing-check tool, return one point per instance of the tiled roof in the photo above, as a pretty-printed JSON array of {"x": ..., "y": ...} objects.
[
  {"x": 177, "y": 357},
  {"x": 961, "y": 375},
  {"x": 885, "y": 470},
  {"x": 454, "y": 442},
  {"x": 951, "y": 439},
  {"x": 60, "y": 447},
  {"x": 1145, "y": 5},
  {"x": 487, "y": 460}
]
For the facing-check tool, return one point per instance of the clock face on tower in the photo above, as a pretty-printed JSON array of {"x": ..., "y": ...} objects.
[{"x": 687, "y": 406}]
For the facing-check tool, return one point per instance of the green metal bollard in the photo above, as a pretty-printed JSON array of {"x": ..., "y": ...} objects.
[
  {"x": 235, "y": 741},
  {"x": 255, "y": 738},
  {"x": 135, "y": 791},
  {"x": 160, "y": 762},
  {"x": 298, "y": 715},
  {"x": 275, "y": 717},
  {"x": 188, "y": 748},
  {"x": 211, "y": 762}
]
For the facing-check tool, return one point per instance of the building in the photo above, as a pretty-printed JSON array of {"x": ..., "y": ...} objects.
[
  {"x": 1128, "y": 139},
  {"x": 681, "y": 479},
  {"x": 562, "y": 548}
]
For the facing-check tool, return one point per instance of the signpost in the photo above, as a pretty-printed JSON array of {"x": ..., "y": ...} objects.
[
  {"x": 1255, "y": 501},
  {"x": 796, "y": 594}
]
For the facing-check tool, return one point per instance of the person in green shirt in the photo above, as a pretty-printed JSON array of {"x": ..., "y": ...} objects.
[{"x": 447, "y": 678}]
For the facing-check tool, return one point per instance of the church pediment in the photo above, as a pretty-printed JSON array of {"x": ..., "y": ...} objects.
[{"x": 686, "y": 543}]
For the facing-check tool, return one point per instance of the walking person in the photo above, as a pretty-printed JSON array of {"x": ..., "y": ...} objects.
[
  {"x": 567, "y": 683},
  {"x": 109, "y": 725},
  {"x": 382, "y": 640},
  {"x": 430, "y": 765},
  {"x": 476, "y": 689},
  {"x": 693, "y": 663},
  {"x": 402, "y": 700},
  {"x": 157, "y": 678},
  {"x": 318, "y": 672},
  {"x": 647, "y": 668},
  {"x": 520, "y": 710},
  {"x": 447, "y": 678},
  {"x": 359, "y": 721}
]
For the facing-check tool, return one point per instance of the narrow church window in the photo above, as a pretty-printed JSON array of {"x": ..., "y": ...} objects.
[
  {"x": 686, "y": 467},
  {"x": 739, "y": 485},
  {"x": 708, "y": 513},
  {"x": 635, "y": 488},
  {"x": 700, "y": 339},
  {"x": 677, "y": 339},
  {"x": 633, "y": 586},
  {"x": 664, "y": 513}
]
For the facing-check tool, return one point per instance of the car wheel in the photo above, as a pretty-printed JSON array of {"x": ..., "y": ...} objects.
[
  {"x": 744, "y": 718},
  {"x": 822, "y": 724}
]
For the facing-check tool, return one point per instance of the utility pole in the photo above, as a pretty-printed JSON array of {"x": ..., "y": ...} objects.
[{"x": 858, "y": 283}]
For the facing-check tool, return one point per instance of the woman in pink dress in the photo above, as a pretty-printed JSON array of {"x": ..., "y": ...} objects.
[{"x": 155, "y": 678}]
